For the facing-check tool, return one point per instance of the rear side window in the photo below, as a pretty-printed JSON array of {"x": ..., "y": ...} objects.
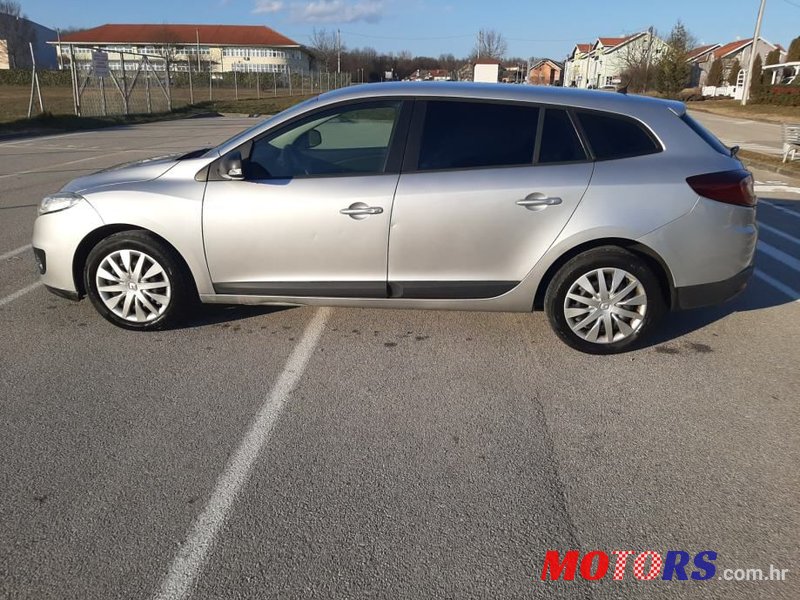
[
  {"x": 463, "y": 135},
  {"x": 560, "y": 142},
  {"x": 613, "y": 137},
  {"x": 708, "y": 137}
]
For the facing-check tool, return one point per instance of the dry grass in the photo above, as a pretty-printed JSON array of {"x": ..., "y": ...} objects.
[
  {"x": 14, "y": 101},
  {"x": 762, "y": 112}
]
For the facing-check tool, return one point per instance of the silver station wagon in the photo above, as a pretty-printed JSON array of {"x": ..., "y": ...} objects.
[{"x": 606, "y": 211}]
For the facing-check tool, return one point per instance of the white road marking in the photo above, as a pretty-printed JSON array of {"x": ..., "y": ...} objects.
[
  {"x": 12, "y": 253},
  {"x": 778, "y": 285},
  {"x": 19, "y": 293},
  {"x": 192, "y": 556},
  {"x": 777, "y": 188},
  {"x": 778, "y": 232},
  {"x": 779, "y": 255},
  {"x": 783, "y": 209}
]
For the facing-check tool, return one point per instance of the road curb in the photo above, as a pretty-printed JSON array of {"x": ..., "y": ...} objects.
[{"x": 781, "y": 169}]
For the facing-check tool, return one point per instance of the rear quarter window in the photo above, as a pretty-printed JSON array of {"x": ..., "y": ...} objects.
[
  {"x": 708, "y": 137},
  {"x": 611, "y": 136}
]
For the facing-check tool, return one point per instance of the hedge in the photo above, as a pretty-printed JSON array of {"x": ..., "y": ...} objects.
[
  {"x": 23, "y": 77},
  {"x": 781, "y": 95}
]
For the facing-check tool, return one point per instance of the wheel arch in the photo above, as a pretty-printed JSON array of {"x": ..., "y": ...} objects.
[
  {"x": 650, "y": 256},
  {"x": 98, "y": 235}
]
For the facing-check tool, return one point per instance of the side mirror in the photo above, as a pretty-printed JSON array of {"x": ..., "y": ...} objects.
[
  {"x": 310, "y": 139},
  {"x": 230, "y": 167}
]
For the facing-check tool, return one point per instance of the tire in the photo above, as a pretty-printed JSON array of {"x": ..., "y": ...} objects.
[
  {"x": 582, "y": 320},
  {"x": 154, "y": 294}
]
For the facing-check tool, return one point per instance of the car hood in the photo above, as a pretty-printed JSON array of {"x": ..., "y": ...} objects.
[{"x": 130, "y": 172}]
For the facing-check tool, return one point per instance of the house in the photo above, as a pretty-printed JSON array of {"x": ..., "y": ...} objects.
[
  {"x": 15, "y": 34},
  {"x": 486, "y": 70},
  {"x": 608, "y": 58},
  {"x": 545, "y": 72},
  {"x": 576, "y": 66},
  {"x": 430, "y": 75},
  {"x": 698, "y": 60},
  {"x": 216, "y": 48},
  {"x": 738, "y": 51}
]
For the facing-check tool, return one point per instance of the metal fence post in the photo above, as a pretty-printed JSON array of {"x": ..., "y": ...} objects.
[
  {"x": 147, "y": 88},
  {"x": 103, "y": 96},
  {"x": 124, "y": 84},
  {"x": 76, "y": 94},
  {"x": 191, "y": 87},
  {"x": 258, "y": 85},
  {"x": 236, "y": 84},
  {"x": 169, "y": 86}
]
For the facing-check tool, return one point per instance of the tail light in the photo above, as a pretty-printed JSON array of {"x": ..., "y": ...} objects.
[{"x": 731, "y": 187}]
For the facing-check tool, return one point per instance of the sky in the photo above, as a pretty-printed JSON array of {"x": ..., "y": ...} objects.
[{"x": 429, "y": 28}]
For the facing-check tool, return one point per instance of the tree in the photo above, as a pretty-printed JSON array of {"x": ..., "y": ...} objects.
[
  {"x": 793, "y": 53},
  {"x": 490, "y": 44},
  {"x": 774, "y": 57},
  {"x": 715, "y": 77},
  {"x": 18, "y": 33},
  {"x": 326, "y": 46},
  {"x": 638, "y": 61},
  {"x": 758, "y": 72},
  {"x": 674, "y": 71},
  {"x": 733, "y": 72}
]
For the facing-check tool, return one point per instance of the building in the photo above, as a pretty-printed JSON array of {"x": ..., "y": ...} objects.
[
  {"x": 731, "y": 53},
  {"x": 15, "y": 34},
  {"x": 698, "y": 60},
  {"x": 215, "y": 48},
  {"x": 604, "y": 62},
  {"x": 545, "y": 72},
  {"x": 486, "y": 70}
]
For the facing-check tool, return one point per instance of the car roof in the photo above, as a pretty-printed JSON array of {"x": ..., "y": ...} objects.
[{"x": 561, "y": 96}]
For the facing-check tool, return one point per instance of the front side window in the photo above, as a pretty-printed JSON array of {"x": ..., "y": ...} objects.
[
  {"x": 353, "y": 140},
  {"x": 611, "y": 137},
  {"x": 464, "y": 135}
]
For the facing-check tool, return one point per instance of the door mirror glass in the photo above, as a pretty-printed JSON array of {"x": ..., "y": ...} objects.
[{"x": 230, "y": 167}]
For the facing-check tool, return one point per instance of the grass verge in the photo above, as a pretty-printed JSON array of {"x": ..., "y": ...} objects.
[
  {"x": 759, "y": 112},
  {"x": 770, "y": 162}
]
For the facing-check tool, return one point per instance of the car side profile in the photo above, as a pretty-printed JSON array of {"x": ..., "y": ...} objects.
[{"x": 604, "y": 210}]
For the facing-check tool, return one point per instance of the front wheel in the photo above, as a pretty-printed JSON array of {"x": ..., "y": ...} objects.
[
  {"x": 136, "y": 282},
  {"x": 604, "y": 301}
]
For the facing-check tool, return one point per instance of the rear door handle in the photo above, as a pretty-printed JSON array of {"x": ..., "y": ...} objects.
[
  {"x": 359, "y": 210},
  {"x": 538, "y": 200}
]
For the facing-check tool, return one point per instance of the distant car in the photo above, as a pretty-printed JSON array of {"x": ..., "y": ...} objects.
[
  {"x": 602, "y": 209},
  {"x": 608, "y": 88}
]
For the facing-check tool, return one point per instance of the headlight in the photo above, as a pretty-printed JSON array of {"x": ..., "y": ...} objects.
[{"x": 59, "y": 201}]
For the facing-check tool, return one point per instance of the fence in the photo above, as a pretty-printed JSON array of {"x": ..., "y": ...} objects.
[{"x": 141, "y": 84}]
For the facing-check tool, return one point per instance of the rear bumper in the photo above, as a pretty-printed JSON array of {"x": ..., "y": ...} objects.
[{"x": 708, "y": 294}]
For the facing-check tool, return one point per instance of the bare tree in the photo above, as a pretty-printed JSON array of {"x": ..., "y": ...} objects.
[
  {"x": 325, "y": 45},
  {"x": 638, "y": 61},
  {"x": 490, "y": 44},
  {"x": 17, "y": 31}
]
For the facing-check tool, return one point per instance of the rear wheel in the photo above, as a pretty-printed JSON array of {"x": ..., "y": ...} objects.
[
  {"x": 604, "y": 301},
  {"x": 137, "y": 282}
]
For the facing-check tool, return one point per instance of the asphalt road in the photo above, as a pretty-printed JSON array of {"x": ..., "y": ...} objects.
[
  {"x": 318, "y": 453},
  {"x": 758, "y": 136}
]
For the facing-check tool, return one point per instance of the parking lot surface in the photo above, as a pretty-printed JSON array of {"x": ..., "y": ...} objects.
[{"x": 352, "y": 453}]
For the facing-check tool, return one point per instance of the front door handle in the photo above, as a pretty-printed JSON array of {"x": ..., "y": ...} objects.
[
  {"x": 538, "y": 200},
  {"x": 359, "y": 210}
]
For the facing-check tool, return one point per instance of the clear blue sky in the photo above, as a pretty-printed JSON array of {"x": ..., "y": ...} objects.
[{"x": 428, "y": 27}]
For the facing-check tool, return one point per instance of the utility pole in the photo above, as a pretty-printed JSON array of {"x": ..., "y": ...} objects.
[
  {"x": 650, "y": 31},
  {"x": 753, "y": 49},
  {"x": 338, "y": 51}
]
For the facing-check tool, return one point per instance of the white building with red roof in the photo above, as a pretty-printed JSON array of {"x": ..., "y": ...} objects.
[
  {"x": 604, "y": 62},
  {"x": 219, "y": 48}
]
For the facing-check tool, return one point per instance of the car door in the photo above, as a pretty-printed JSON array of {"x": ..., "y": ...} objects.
[
  {"x": 480, "y": 200},
  {"x": 310, "y": 217}
]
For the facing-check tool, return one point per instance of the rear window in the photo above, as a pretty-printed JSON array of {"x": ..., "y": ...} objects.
[
  {"x": 560, "y": 142},
  {"x": 708, "y": 137},
  {"x": 462, "y": 135},
  {"x": 611, "y": 136}
]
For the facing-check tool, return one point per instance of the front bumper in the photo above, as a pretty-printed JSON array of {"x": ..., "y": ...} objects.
[
  {"x": 56, "y": 237},
  {"x": 709, "y": 294}
]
